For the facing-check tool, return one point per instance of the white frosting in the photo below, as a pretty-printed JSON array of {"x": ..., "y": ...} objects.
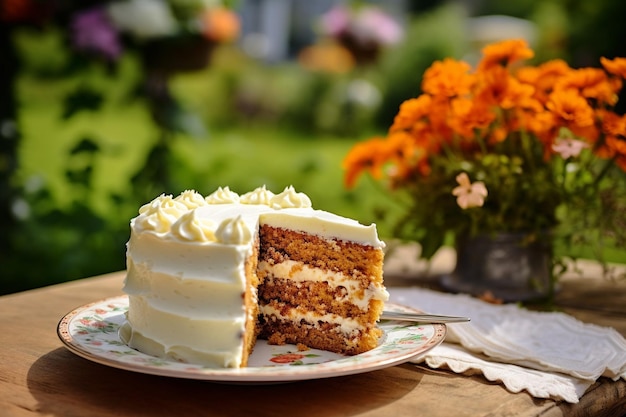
[
  {"x": 222, "y": 196},
  {"x": 159, "y": 215},
  {"x": 233, "y": 232},
  {"x": 290, "y": 199},
  {"x": 186, "y": 276},
  {"x": 190, "y": 228},
  {"x": 259, "y": 196},
  {"x": 191, "y": 199}
]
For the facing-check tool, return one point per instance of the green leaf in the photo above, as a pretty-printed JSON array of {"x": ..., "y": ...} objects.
[
  {"x": 86, "y": 145},
  {"x": 84, "y": 98}
]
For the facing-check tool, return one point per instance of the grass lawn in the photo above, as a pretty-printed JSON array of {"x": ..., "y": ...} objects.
[{"x": 240, "y": 157}]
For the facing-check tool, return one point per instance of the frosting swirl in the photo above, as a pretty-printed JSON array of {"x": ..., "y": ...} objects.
[
  {"x": 289, "y": 198},
  {"x": 259, "y": 196},
  {"x": 191, "y": 228},
  {"x": 223, "y": 196},
  {"x": 233, "y": 231},
  {"x": 191, "y": 199},
  {"x": 160, "y": 214}
]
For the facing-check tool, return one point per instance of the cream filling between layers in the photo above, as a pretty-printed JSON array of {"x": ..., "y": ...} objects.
[
  {"x": 298, "y": 272},
  {"x": 348, "y": 326}
]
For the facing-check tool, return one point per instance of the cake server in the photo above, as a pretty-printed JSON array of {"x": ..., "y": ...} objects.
[{"x": 422, "y": 318}]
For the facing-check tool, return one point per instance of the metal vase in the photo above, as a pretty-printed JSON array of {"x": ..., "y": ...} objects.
[{"x": 508, "y": 266}]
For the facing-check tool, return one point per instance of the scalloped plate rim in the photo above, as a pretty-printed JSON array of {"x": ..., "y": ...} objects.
[{"x": 346, "y": 365}]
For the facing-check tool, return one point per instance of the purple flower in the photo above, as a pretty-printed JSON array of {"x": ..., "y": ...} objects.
[{"x": 93, "y": 32}]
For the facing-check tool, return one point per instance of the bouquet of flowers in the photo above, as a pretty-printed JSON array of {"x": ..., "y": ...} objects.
[{"x": 505, "y": 148}]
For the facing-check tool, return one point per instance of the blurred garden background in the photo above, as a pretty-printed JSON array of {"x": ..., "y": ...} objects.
[{"x": 107, "y": 104}]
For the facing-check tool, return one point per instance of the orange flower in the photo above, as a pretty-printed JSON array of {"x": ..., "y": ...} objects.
[
  {"x": 574, "y": 112},
  {"x": 520, "y": 95},
  {"x": 220, "y": 24},
  {"x": 448, "y": 78},
  {"x": 400, "y": 146},
  {"x": 592, "y": 83},
  {"x": 504, "y": 53},
  {"x": 402, "y": 151},
  {"x": 468, "y": 116},
  {"x": 492, "y": 85},
  {"x": 543, "y": 77},
  {"x": 540, "y": 123},
  {"x": 612, "y": 124},
  {"x": 614, "y": 145},
  {"x": 411, "y": 112},
  {"x": 365, "y": 156},
  {"x": 499, "y": 88},
  {"x": 616, "y": 66}
]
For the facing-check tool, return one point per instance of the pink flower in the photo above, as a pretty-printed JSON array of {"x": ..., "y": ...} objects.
[
  {"x": 467, "y": 194},
  {"x": 336, "y": 21},
  {"x": 567, "y": 147},
  {"x": 375, "y": 24},
  {"x": 366, "y": 24}
]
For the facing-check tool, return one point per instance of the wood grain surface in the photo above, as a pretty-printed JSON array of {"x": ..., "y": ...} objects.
[{"x": 39, "y": 377}]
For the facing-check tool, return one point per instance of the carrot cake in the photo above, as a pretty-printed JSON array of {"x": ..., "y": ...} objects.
[{"x": 207, "y": 276}]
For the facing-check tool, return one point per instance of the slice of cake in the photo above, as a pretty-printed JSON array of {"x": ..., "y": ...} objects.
[{"x": 207, "y": 276}]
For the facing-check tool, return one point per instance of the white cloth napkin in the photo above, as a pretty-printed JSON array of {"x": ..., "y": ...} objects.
[{"x": 547, "y": 354}]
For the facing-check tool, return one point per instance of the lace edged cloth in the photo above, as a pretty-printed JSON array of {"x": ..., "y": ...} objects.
[{"x": 548, "y": 354}]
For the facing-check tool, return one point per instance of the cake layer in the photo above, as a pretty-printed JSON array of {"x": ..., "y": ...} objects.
[
  {"x": 328, "y": 332},
  {"x": 336, "y": 255},
  {"x": 318, "y": 297}
]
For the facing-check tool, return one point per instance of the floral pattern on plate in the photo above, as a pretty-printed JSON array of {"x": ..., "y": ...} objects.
[{"x": 91, "y": 331}]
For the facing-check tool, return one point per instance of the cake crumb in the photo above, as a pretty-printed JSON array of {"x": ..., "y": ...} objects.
[
  {"x": 276, "y": 339},
  {"x": 302, "y": 347}
]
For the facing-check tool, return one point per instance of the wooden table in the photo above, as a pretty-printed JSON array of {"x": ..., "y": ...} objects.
[{"x": 39, "y": 377}]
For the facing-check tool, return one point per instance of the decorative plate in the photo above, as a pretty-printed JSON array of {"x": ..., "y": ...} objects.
[{"x": 91, "y": 331}]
